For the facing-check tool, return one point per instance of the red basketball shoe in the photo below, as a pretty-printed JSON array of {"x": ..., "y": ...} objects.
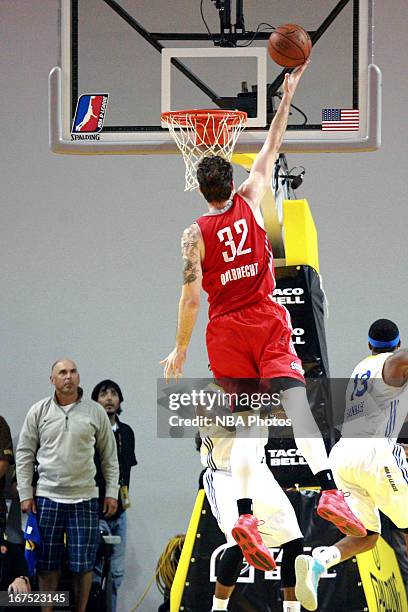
[
  {"x": 334, "y": 508},
  {"x": 246, "y": 535}
]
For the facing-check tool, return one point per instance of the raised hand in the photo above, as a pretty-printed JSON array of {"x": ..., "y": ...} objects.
[{"x": 292, "y": 79}]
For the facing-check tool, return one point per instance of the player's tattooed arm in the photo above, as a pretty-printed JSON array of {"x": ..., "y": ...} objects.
[
  {"x": 190, "y": 249},
  {"x": 193, "y": 253}
]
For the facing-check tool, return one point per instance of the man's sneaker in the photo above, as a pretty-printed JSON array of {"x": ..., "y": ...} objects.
[
  {"x": 246, "y": 535},
  {"x": 308, "y": 573},
  {"x": 334, "y": 508}
]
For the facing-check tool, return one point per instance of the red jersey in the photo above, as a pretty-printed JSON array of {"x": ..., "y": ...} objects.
[{"x": 238, "y": 262}]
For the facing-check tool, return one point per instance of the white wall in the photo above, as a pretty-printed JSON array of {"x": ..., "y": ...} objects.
[{"x": 90, "y": 262}]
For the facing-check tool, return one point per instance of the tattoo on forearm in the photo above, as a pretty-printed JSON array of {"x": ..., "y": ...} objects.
[{"x": 191, "y": 254}]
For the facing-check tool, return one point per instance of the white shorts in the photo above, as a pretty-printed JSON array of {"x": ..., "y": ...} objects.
[
  {"x": 375, "y": 473},
  {"x": 270, "y": 505}
]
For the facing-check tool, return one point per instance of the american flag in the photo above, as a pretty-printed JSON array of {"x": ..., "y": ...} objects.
[{"x": 340, "y": 119}]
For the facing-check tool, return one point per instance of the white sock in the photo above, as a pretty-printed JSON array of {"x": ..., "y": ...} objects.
[
  {"x": 329, "y": 556},
  {"x": 291, "y": 606},
  {"x": 244, "y": 461},
  {"x": 220, "y": 604},
  {"x": 305, "y": 430}
]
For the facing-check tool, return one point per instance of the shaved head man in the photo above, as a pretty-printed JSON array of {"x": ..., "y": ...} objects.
[
  {"x": 60, "y": 434},
  {"x": 65, "y": 378}
]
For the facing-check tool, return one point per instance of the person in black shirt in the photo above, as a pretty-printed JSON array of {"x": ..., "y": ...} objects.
[
  {"x": 109, "y": 395},
  {"x": 13, "y": 567},
  {"x": 6, "y": 459}
]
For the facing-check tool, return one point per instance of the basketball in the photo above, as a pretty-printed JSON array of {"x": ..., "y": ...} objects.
[{"x": 289, "y": 45}]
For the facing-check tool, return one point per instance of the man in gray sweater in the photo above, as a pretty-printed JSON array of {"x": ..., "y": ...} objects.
[{"x": 60, "y": 434}]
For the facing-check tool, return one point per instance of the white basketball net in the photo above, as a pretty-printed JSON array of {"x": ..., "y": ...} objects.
[{"x": 200, "y": 134}]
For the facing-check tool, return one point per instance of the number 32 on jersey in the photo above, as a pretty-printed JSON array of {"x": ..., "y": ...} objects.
[{"x": 226, "y": 236}]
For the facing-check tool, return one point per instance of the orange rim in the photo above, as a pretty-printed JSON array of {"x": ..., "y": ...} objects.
[{"x": 183, "y": 117}]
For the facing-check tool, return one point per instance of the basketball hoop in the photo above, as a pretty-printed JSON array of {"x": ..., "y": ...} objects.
[{"x": 200, "y": 133}]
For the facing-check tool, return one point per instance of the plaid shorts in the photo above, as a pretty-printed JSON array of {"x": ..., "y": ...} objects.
[{"x": 80, "y": 524}]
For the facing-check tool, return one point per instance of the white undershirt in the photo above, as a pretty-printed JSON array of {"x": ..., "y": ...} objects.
[{"x": 67, "y": 407}]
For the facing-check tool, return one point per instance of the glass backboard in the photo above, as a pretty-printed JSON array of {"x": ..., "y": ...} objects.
[{"x": 124, "y": 62}]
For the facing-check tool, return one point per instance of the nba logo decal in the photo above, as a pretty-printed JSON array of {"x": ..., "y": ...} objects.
[{"x": 90, "y": 113}]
